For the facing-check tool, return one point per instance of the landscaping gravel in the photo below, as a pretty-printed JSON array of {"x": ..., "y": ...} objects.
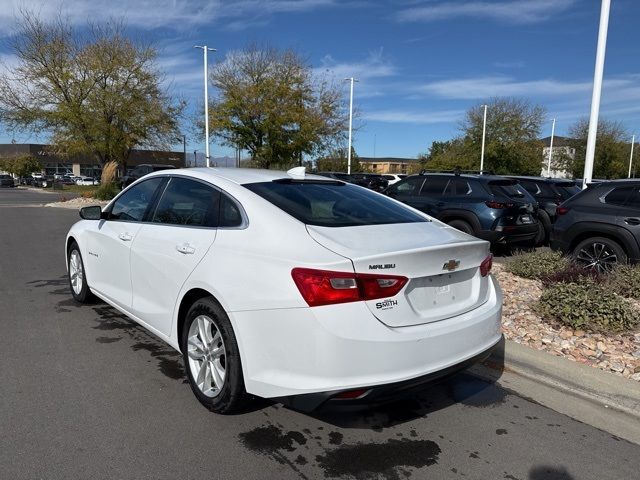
[
  {"x": 618, "y": 353},
  {"x": 77, "y": 203}
]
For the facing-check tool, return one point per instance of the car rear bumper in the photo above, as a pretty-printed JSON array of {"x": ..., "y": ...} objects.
[
  {"x": 510, "y": 233},
  {"x": 331, "y": 349}
]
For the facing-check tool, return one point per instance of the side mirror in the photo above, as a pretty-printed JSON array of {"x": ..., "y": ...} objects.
[{"x": 93, "y": 212}]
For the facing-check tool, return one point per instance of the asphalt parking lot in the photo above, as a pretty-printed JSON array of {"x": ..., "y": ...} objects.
[{"x": 86, "y": 393}]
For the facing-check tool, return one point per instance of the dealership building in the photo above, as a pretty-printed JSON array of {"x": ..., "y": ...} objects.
[{"x": 86, "y": 165}]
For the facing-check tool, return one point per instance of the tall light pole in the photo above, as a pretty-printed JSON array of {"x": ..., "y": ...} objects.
[
  {"x": 206, "y": 49},
  {"x": 633, "y": 141},
  {"x": 484, "y": 132},
  {"x": 351, "y": 79},
  {"x": 597, "y": 89},
  {"x": 553, "y": 130}
]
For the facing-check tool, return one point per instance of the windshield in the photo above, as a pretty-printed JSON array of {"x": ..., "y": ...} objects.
[{"x": 333, "y": 204}]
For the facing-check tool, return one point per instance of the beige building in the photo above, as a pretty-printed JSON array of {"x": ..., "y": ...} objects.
[{"x": 389, "y": 164}]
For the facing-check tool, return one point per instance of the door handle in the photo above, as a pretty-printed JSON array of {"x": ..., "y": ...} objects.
[
  {"x": 186, "y": 249},
  {"x": 125, "y": 237},
  {"x": 632, "y": 221}
]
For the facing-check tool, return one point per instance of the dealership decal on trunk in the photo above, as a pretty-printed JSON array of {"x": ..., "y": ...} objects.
[
  {"x": 386, "y": 304},
  {"x": 382, "y": 266},
  {"x": 451, "y": 265}
]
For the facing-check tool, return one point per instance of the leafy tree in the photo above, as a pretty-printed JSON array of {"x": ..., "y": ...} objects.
[
  {"x": 612, "y": 149},
  {"x": 271, "y": 104},
  {"x": 97, "y": 93},
  {"x": 511, "y": 146},
  {"x": 337, "y": 161},
  {"x": 21, "y": 166}
]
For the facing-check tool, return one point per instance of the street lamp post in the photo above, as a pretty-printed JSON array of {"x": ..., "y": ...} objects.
[
  {"x": 484, "y": 132},
  {"x": 597, "y": 89},
  {"x": 633, "y": 141},
  {"x": 553, "y": 130},
  {"x": 206, "y": 49},
  {"x": 351, "y": 79}
]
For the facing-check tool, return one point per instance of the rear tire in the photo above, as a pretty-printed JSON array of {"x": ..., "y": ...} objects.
[
  {"x": 599, "y": 253},
  {"x": 544, "y": 229},
  {"x": 212, "y": 358},
  {"x": 462, "y": 226},
  {"x": 77, "y": 275}
]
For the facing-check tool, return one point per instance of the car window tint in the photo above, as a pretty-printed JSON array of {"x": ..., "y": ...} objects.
[
  {"x": 188, "y": 202},
  {"x": 333, "y": 204},
  {"x": 618, "y": 196},
  {"x": 461, "y": 186},
  {"x": 132, "y": 204},
  {"x": 634, "y": 198},
  {"x": 532, "y": 187},
  {"x": 506, "y": 187},
  {"x": 567, "y": 190},
  {"x": 230, "y": 215},
  {"x": 434, "y": 186},
  {"x": 411, "y": 186}
]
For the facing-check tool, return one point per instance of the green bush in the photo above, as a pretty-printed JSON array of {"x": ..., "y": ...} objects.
[
  {"x": 106, "y": 191},
  {"x": 586, "y": 305},
  {"x": 625, "y": 281},
  {"x": 537, "y": 265}
]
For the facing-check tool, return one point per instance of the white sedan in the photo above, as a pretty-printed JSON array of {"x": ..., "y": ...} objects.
[
  {"x": 84, "y": 181},
  {"x": 288, "y": 286}
]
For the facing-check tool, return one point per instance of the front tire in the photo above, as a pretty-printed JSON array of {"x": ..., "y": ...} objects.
[
  {"x": 212, "y": 358},
  {"x": 600, "y": 254},
  {"x": 77, "y": 276}
]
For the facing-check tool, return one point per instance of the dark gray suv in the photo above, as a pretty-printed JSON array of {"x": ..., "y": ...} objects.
[{"x": 600, "y": 226}]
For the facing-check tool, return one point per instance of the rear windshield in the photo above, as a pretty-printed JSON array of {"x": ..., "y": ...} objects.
[
  {"x": 567, "y": 189},
  {"x": 333, "y": 204},
  {"x": 509, "y": 188}
]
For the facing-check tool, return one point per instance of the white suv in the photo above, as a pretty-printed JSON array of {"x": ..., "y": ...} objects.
[{"x": 288, "y": 286}]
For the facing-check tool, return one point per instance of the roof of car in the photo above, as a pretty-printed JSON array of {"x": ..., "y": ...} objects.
[
  {"x": 542, "y": 179},
  {"x": 240, "y": 175},
  {"x": 486, "y": 177}
]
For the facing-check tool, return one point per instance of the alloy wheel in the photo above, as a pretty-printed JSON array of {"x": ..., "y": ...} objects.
[
  {"x": 76, "y": 271},
  {"x": 207, "y": 355},
  {"x": 597, "y": 256}
]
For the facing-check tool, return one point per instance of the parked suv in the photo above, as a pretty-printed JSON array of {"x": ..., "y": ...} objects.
[
  {"x": 140, "y": 171},
  {"x": 600, "y": 226},
  {"x": 490, "y": 207},
  {"x": 549, "y": 193},
  {"x": 6, "y": 181}
]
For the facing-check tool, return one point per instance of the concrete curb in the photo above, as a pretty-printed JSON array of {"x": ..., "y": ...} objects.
[{"x": 606, "y": 389}]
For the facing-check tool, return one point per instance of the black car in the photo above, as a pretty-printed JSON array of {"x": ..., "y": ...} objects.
[
  {"x": 7, "y": 181},
  {"x": 490, "y": 207},
  {"x": 371, "y": 181},
  {"x": 600, "y": 226},
  {"x": 549, "y": 193},
  {"x": 140, "y": 171},
  {"x": 336, "y": 176}
]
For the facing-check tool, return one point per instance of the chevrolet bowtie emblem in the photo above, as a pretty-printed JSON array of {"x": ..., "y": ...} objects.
[{"x": 451, "y": 265}]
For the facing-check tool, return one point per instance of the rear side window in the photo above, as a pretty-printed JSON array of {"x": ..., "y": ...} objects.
[
  {"x": 567, "y": 189},
  {"x": 434, "y": 186},
  {"x": 333, "y": 204},
  {"x": 618, "y": 196},
  {"x": 230, "y": 215},
  {"x": 187, "y": 202},
  {"x": 634, "y": 199}
]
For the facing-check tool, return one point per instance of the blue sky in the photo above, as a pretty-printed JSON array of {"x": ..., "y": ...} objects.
[{"x": 421, "y": 63}]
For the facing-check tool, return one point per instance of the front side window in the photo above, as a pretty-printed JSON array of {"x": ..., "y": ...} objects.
[
  {"x": 634, "y": 199},
  {"x": 132, "y": 205},
  {"x": 434, "y": 186},
  {"x": 188, "y": 202},
  {"x": 333, "y": 204}
]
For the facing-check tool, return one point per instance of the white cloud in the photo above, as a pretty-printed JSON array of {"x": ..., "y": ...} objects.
[
  {"x": 151, "y": 14},
  {"x": 514, "y": 11},
  {"x": 422, "y": 117},
  {"x": 375, "y": 65}
]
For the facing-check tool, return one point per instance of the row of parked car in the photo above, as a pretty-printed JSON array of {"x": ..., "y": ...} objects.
[
  {"x": 599, "y": 227},
  {"x": 45, "y": 181}
]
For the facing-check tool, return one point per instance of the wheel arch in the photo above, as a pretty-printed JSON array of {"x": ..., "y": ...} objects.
[
  {"x": 188, "y": 299},
  {"x": 580, "y": 232},
  {"x": 464, "y": 215}
]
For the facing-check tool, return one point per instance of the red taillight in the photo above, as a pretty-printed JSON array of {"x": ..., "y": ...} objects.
[
  {"x": 562, "y": 210},
  {"x": 485, "y": 266},
  {"x": 492, "y": 204},
  {"x": 323, "y": 287}
]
